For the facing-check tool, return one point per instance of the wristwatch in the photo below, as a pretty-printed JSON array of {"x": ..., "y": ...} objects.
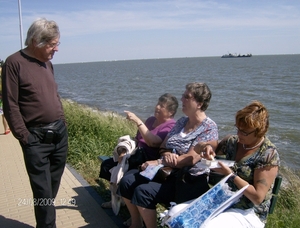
[{"x": 232, "y": 177}]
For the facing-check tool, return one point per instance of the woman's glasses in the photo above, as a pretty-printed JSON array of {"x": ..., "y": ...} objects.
[
  {"x": 186, "y": 96},
  {"x": 243, "y": 132}
]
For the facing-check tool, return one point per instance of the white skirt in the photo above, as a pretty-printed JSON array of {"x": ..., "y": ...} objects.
[{"x": 236, "y": 218}]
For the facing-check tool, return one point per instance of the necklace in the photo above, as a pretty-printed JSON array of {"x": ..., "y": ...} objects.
[{"x": 250, "y": 148}]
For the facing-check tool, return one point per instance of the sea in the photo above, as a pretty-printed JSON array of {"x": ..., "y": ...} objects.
[{"x": 135, "y": 85}]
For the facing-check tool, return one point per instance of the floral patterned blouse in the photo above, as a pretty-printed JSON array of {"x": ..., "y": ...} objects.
[
  {"x": 206, "y": 131},
  {"x": 266, "y": 155},
  {"x": 181, "y": 143}
]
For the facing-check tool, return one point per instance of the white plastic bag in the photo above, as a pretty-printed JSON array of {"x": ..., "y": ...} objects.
[{"x": 197, "y": 212}]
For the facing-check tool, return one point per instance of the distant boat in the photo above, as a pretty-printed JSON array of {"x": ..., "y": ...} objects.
[
  {"x": 248, "y": 55},
  {"x": 230, "y": 55}
]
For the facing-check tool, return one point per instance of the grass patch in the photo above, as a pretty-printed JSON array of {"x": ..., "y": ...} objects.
[
  {"x": 93, "y": 133},
  {"x": 288, "y": 204}
]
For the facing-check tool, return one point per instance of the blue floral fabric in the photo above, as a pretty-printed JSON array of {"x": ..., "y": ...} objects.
[{"x": 201, "y": 209}]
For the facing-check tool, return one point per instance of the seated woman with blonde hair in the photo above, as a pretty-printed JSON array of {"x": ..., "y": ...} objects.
[{"x": 256, "y": 163}]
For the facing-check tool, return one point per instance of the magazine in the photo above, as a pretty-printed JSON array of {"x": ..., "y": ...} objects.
[{"x": 151, "y": 171}]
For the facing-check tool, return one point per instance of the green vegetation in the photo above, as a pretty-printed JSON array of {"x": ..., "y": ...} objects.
[
  {"x": 93, "y": 133},
  {"x": 288, "y": 204}
]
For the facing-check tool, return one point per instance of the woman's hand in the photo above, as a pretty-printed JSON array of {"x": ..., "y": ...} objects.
[
  {"x": 147, "y": 163},
  {"x": 120, "y": 158},
  {"x": 224, "y": 170},
  {"x": 205, "y": 150},
  {"x": 131, "y": 116},
  {"x": 170, "y": 159}
]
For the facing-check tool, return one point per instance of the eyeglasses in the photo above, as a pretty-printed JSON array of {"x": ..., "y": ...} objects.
[
  {"x": 186, "y": 96},
  {"x": 54, "y": 45},
  {"x": 243, "y": 132}
]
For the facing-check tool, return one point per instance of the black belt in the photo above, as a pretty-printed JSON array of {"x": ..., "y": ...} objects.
[{"x": 49, "y": 133}]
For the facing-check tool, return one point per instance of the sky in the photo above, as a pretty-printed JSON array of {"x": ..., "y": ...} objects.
[{"x": 109, "y": 30}]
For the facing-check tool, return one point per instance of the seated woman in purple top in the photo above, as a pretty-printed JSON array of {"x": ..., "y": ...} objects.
[
  {"x": 150, "y": 134},
  {"x": 150, "y": 140}
]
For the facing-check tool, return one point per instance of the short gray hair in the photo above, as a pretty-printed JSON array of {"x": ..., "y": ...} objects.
[
  {"x": 200, "y": 92},
  {"x": 42, "y": 31}
]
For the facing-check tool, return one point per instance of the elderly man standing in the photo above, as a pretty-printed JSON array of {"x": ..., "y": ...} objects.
[{"x": 35, "y": 115}]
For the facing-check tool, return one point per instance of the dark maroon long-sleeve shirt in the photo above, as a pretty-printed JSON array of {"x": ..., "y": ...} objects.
[{"x": 29, "y": 94}]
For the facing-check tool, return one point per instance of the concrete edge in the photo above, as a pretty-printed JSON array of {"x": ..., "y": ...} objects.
[{"x": 116, "y": 218}]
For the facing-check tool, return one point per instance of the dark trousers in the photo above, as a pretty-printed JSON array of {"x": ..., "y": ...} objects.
[
  {"x": 45, "y": 165},
  {"x": 145, "y": 193},
  {"x": 105, "y": 167},
  {"x": 177, "y": 188}
]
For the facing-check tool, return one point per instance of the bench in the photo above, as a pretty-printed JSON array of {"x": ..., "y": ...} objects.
[
  {"x": 103, "y": 157},
  {"x": 276, "y": 187},
  {"x": 213, "y": 179}
]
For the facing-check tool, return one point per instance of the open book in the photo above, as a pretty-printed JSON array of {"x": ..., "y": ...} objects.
[{"x": 197, "y": 212}]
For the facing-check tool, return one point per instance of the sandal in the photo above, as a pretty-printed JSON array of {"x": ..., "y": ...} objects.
[
  {"x": 7, "y": 132},
  {"x": 127, "y": 223},
  {"x": 106, "y": 205}
]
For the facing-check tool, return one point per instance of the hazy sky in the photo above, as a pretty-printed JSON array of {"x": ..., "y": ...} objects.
[{"x": 99, "y": 30}]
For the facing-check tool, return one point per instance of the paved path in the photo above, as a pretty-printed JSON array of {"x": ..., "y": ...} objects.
[{"x": 77, "y": 204}]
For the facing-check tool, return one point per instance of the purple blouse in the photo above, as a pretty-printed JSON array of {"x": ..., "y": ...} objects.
[{"x": 161, "y": 130}]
